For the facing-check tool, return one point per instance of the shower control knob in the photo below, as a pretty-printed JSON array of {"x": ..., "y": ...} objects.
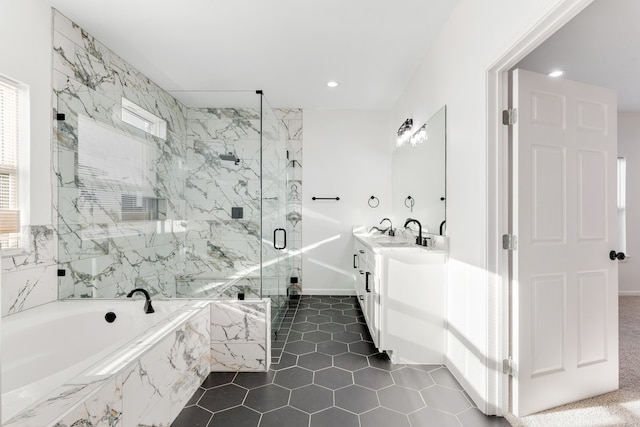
[{"x": 613, "y": 255}]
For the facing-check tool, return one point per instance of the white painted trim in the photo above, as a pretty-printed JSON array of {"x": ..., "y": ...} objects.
[
  {"x": 325, "y": 291},
  {"x": 629, "y": 293},
  {"x": 497, "y": 194}
]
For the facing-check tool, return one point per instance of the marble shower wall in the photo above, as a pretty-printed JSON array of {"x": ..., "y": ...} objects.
[
  {"x": 193, "y": 247},
  {"x": 219, "y": 246},
  {"x": 120, "y": 191}
]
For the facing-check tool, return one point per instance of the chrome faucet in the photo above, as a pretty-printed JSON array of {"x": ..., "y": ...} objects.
[
  {"x": 390, "y": 229},
  {"x": 419, "y": 238},
  {"x": 148, "y": 308}
]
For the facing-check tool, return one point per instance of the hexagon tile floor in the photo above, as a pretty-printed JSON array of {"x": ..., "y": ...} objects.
[{"x": 330, "y": 374}]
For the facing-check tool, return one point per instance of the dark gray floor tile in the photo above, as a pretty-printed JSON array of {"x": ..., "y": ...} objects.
[
  {"x": 333, "y": 378},
  {"x": 319, "y": 319},
  {"x": 193, "y": 416},
  {"x": 294, "y": 336},
  {"x": 350, "y": 361},
  {"x": 382, "y": 417},
  {"x": 293, "y": 377},
  {"x": 218, "y": 378},
  {"x": 267, "y": 398},
  {"x": 329, "y": 299},
  {"x": 315, "y": 361},
  {"x": 373, "y": 378},
  {"x": 343, "y": 320},
  {"x": 443, "y": 377},
  {"x": 334, "y": 417},
  {"x": 286, "y": 416},
  {"x": 347, "y": 337},
  {"x": 223, "y": 397},
  {"x": 445, "y": 399},
  {"x": 331, "y": 327},
  {"x": 356, "y": 399},
  {"x": 300, "y": 347},
  {"x": 363, "y": 347},
  {"x": 352, "y": 312},
  {"x": 400, "y": 399},
  {"x": 307, "y": 312},
  {"x": 426, "y": 368},
  {"x": 304, "y": 327},
  {"x": 342, "y": 306},
  {"x": 332, "y": 348},
  {"x": 254, "y": 379},
  {"x": 303, "y": 387},
  {"x": 320, "y": 305},
  {"x": 316, "y": 336},
  {"x": 287, "y": 360},
  {"x": 412, "y": 378},
  {"x": 358, "y": 328},
  {"x": 474, "y": 418},
  {"x": 196, "y": 396},
  {"x": 427, "y": 417},
  {"x": 311, "y": 398},
  {"x": 382, "y": 361},
  {"x": 240, "y": 416}
]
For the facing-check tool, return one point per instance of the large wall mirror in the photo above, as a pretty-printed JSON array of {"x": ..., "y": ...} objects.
[{"x": 419, "y": 177}]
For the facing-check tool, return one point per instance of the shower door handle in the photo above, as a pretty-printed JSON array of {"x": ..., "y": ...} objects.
[{"x": 275, "y": 232}]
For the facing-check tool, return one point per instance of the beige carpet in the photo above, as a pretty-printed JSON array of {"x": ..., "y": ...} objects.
[{"x": 619, "y": 408}]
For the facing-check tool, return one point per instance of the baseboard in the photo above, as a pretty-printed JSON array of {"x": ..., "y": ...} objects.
[
  {"x": 325, "y": 291},
  {"x": 629, "y": 293}
]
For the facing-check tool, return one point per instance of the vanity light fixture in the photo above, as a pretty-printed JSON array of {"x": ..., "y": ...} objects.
[
  {"x": 419, "y": 136},
  {"x": 556, "y": 73},
  {"x": 332, "y": 84},
  {"x": 404, "y": 132}
]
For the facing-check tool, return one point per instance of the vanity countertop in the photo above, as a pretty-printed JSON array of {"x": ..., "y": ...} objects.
[{"x": 383, "y": 243}]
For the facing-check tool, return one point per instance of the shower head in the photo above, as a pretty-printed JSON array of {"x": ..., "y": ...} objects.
[{"x": 230, "y": 157}]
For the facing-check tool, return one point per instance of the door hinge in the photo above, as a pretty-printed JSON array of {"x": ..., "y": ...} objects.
[
  {"x": 509, "y": 116},
  {"x": 510, "y": 242},
  {"x": 507, "y": 366}
]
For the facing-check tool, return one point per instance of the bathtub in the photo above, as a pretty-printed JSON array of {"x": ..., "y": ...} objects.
[{"x": 63, "y": 348}]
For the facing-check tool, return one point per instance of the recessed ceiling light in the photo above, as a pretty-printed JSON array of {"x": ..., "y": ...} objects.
[
  {"x": 556, "y": 73},
  {"x": 332, "y": 84}
]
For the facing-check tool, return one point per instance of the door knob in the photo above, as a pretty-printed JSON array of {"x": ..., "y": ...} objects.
[{"x": 613, "y": 255}]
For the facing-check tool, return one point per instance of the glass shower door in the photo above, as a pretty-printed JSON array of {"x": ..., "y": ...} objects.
[{"x": 274, "y": 210}]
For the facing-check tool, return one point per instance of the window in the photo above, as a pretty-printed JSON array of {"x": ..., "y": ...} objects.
[
  {"x": 143, "y": 119},
  {"x": 13, "y": 107},
  {"x": 622, "y": 205}
]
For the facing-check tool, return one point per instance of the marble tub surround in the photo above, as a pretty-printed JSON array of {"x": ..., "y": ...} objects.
[
  {"x": 29, "y": 276},
  {"x": 145, "y": 382},
  {"x": 240, "y": 336}
]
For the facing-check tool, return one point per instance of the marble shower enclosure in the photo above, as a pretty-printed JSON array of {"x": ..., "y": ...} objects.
[{"x": 188, "y": 245}]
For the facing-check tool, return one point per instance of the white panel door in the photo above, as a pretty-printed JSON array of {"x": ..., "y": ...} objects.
[{"x": 564, "y": 285}]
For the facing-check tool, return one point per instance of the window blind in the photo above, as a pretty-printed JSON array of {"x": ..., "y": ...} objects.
[{"x": 9, "y": 137}]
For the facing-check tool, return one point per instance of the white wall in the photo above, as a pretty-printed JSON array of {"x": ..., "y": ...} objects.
[
  {"x": 25, "y": 43},
  {"x": 454, "y": 73},
  {"x": 346, "y": 154},
  {"x": 629, "y": 147}
]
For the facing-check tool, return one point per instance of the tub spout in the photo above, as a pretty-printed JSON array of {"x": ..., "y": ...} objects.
[{"x": 148, "y": 308}]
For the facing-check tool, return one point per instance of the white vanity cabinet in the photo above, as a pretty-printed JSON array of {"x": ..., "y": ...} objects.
[
  {"x": 368, "y": 288},
  {"x": 401, "y": 293}
]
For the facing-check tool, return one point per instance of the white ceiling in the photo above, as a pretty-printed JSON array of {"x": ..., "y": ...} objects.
[
  {"x": 288, "y": 48},
  {"x": 600, "y": 46}
]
